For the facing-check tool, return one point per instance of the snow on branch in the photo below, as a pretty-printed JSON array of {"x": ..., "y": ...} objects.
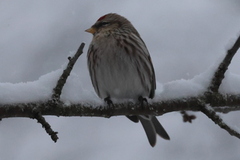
[{"x": 55, "y": 106}]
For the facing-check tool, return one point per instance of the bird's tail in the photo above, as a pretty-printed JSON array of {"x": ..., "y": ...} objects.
[{"x": 153, "y": 127}]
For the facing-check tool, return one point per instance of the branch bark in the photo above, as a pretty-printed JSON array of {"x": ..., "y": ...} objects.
[{"x": 218, "y": 102}]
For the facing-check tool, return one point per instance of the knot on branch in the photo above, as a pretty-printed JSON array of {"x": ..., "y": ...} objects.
[{"x": 187, "y": 117}]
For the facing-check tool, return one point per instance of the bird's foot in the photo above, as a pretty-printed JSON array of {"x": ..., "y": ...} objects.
[
  {"x": 142, "y": 100},
  {"x": 110, "y": 105},
  {"x": 108, "y": 101}
]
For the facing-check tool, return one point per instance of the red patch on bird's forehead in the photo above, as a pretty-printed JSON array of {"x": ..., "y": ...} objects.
[{"x": 101, "y": 18}]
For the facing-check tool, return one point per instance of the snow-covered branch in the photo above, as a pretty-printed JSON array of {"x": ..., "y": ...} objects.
[{"x": 55, "y": 106}]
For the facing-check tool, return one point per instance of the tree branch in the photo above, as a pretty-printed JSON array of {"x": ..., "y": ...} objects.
[
  {"x": 213, "y": 88},
  {"x": 220, "y": 103},
  {"x": 37, "y": 114},
  {"x": 222, "y": 68}
]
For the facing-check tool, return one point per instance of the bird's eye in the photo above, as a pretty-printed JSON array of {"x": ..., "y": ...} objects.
[{"x": 103, "y": 23}]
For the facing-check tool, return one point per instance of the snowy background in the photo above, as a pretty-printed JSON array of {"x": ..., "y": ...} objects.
[{"x": 185, "y": 38}]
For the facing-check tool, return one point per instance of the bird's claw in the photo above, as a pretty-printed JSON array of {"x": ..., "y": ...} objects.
[{"x": 142, "y": 100}]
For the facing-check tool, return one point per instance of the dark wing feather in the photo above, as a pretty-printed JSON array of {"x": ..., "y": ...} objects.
[
  {"x": 144, "y": 65},
  {"x": 92, "y": 58}
]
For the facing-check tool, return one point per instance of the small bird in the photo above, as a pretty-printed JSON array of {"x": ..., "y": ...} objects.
[{"x": 120, "y": 67}]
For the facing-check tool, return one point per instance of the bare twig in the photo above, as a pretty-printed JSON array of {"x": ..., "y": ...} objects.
[
  {"x": 219, "y": 74},
  {"x": 38, "y": 116},
  {"x": 62, "y": 80},
  {"x": 210, "y": 113},
  {"x": 56, "y": 94}
]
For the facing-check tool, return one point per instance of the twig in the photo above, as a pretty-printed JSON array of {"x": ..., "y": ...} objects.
[
  {"x": 219, "y": 74},
  {"x": 57, "y": 92},
  {"x": 63, "y": 78},
  {"x": 210, "y": 113},
  {"x": 227, "y": 109},
  {"x": 38, "y": 116}
]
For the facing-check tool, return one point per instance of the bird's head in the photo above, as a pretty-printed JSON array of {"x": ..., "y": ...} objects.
[{"x": 111, "y": 22}]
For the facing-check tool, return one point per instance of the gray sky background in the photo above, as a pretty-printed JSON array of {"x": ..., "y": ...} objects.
[{"x": 184, "y": 38}]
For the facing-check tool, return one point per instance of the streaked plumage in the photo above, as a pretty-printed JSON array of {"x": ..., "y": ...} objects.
[{"x": 120, "y": 66}]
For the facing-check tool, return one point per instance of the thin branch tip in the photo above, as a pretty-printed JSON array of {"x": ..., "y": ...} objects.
[
  {"x": 40, "y": 119},
  {"x": 63, "y": 78}
]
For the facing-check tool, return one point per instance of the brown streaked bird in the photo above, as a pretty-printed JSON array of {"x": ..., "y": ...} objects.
[{"x": 120, "y": 67}]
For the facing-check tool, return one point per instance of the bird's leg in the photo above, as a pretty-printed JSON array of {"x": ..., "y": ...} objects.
[
  {"x": 108, "y": 101},
  {"x": 142, "y": 100},
  {"x": 110, "y": 105}
]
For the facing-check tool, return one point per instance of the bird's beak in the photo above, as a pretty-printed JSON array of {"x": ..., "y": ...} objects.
[{"x": 91, "y": 30}]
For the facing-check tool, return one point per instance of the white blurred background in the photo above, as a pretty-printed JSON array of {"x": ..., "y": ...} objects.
[{"x": 184, "y": 38}]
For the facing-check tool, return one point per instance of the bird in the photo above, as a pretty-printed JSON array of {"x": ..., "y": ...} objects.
[{"x": 120, "y": 67}]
